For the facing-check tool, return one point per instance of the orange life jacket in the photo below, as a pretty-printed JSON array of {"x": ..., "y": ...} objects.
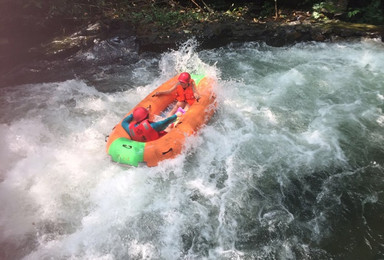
[
  {"x": 143, "y": 132},
  {"x": 185, "y": 95}
]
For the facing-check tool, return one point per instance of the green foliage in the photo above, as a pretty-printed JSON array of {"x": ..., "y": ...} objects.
[
  {"x": 236, "y": 12},
  {"x": 267, "y": 9},
  {"x": 323, "y": 10},
  {"x": 373, "y": 13},
  {"x": 164, "y": 17},
  {"x": 172, "y": 13},
  {"x": 353, "y": 13}
]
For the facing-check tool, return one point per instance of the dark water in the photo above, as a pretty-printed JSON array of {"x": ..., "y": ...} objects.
[{"x": 290, "y": 166}]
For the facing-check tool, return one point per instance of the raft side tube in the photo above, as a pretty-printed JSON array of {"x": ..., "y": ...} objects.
[{"x": 127, "y": 151}]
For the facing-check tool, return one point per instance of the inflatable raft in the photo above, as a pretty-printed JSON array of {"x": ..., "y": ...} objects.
[{"x": 126, "y": 151}]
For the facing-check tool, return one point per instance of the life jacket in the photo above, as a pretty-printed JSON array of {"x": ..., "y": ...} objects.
[
  {"x": 185, "y": 95},
  {"x": 143, "y": 132}
]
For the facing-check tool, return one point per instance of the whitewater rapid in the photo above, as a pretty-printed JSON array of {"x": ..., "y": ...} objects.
[{"x": 289, "y": 167}]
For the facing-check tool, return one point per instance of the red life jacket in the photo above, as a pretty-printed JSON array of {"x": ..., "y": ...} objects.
[
  {"x": 185, "y": 95},
  {"x": 143, "y": 132}
]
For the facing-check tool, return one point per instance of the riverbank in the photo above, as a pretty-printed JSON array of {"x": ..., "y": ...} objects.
[{"x": 24, "y": 63}]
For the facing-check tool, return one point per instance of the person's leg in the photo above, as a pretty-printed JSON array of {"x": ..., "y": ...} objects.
[{"x": 174, "y": 109}]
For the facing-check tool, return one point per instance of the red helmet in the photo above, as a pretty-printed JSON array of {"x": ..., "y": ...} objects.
[
  {"x": 184, "y": 77},
  {"x": 140, "y": 113}
]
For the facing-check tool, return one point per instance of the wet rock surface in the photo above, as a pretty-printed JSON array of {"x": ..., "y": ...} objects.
[{"x": 125, "y": 42}]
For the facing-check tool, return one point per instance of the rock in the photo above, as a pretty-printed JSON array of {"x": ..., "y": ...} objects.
[
  {"x": 318, "y": 36},
  {"x": 151, "y": 37}
]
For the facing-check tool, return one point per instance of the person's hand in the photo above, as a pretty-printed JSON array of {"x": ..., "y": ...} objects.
[
  {"x": 178, "y": 114},
  {"x": 197, "y": 96}
]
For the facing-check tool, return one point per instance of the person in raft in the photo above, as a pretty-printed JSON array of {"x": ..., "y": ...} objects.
[
  {"x": 186, "y": 92},
  {"x": 141, "y": 129}
]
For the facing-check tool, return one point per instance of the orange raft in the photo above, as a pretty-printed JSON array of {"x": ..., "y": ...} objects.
[{"x": 126, "y": 151}]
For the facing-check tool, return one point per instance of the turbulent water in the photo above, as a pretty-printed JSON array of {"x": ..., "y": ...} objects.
[{"x": 289, "y": 167}]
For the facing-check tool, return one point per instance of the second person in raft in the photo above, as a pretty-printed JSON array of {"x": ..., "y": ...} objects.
[
  {"x": 141, "y": 129},
  {"x": 186, "y": 92}
]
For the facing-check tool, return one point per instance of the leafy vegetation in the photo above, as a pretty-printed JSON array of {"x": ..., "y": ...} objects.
[
  {"x": 370, "y": 13},
  {"x": 173, "y": 12},
  {"x": 164, "y": 17}
]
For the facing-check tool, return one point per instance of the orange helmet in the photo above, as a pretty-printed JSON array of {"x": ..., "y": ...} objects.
[
  {"x": 184, "y": 77},
  {"x": 140, "y": 113}
]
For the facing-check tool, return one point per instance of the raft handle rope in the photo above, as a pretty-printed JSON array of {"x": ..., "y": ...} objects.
[
  {"x": 170, "y": 150},
  {"x": 106, "y": 138},
  {"x": 127, "y": 146}
]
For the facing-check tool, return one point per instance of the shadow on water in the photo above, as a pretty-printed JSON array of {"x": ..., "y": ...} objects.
[
  {"x": 110, "y": 65},
  {"x": 324, "y": 215}
]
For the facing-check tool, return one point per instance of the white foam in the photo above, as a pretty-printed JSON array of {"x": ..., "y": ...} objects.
[
  {"x": 62, "y": 197},
  {"x": 204, "y": 189}
]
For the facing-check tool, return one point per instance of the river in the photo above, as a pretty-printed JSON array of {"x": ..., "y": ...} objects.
[{"x": 289, "y": 167}]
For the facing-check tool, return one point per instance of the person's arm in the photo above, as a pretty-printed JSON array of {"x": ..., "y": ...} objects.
[
  {"x": 195, "y": 92},
  {"x": 126, "y": 121},
  {"x": 167, "y": 91},
  {"x": 163, "y": 124}
]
